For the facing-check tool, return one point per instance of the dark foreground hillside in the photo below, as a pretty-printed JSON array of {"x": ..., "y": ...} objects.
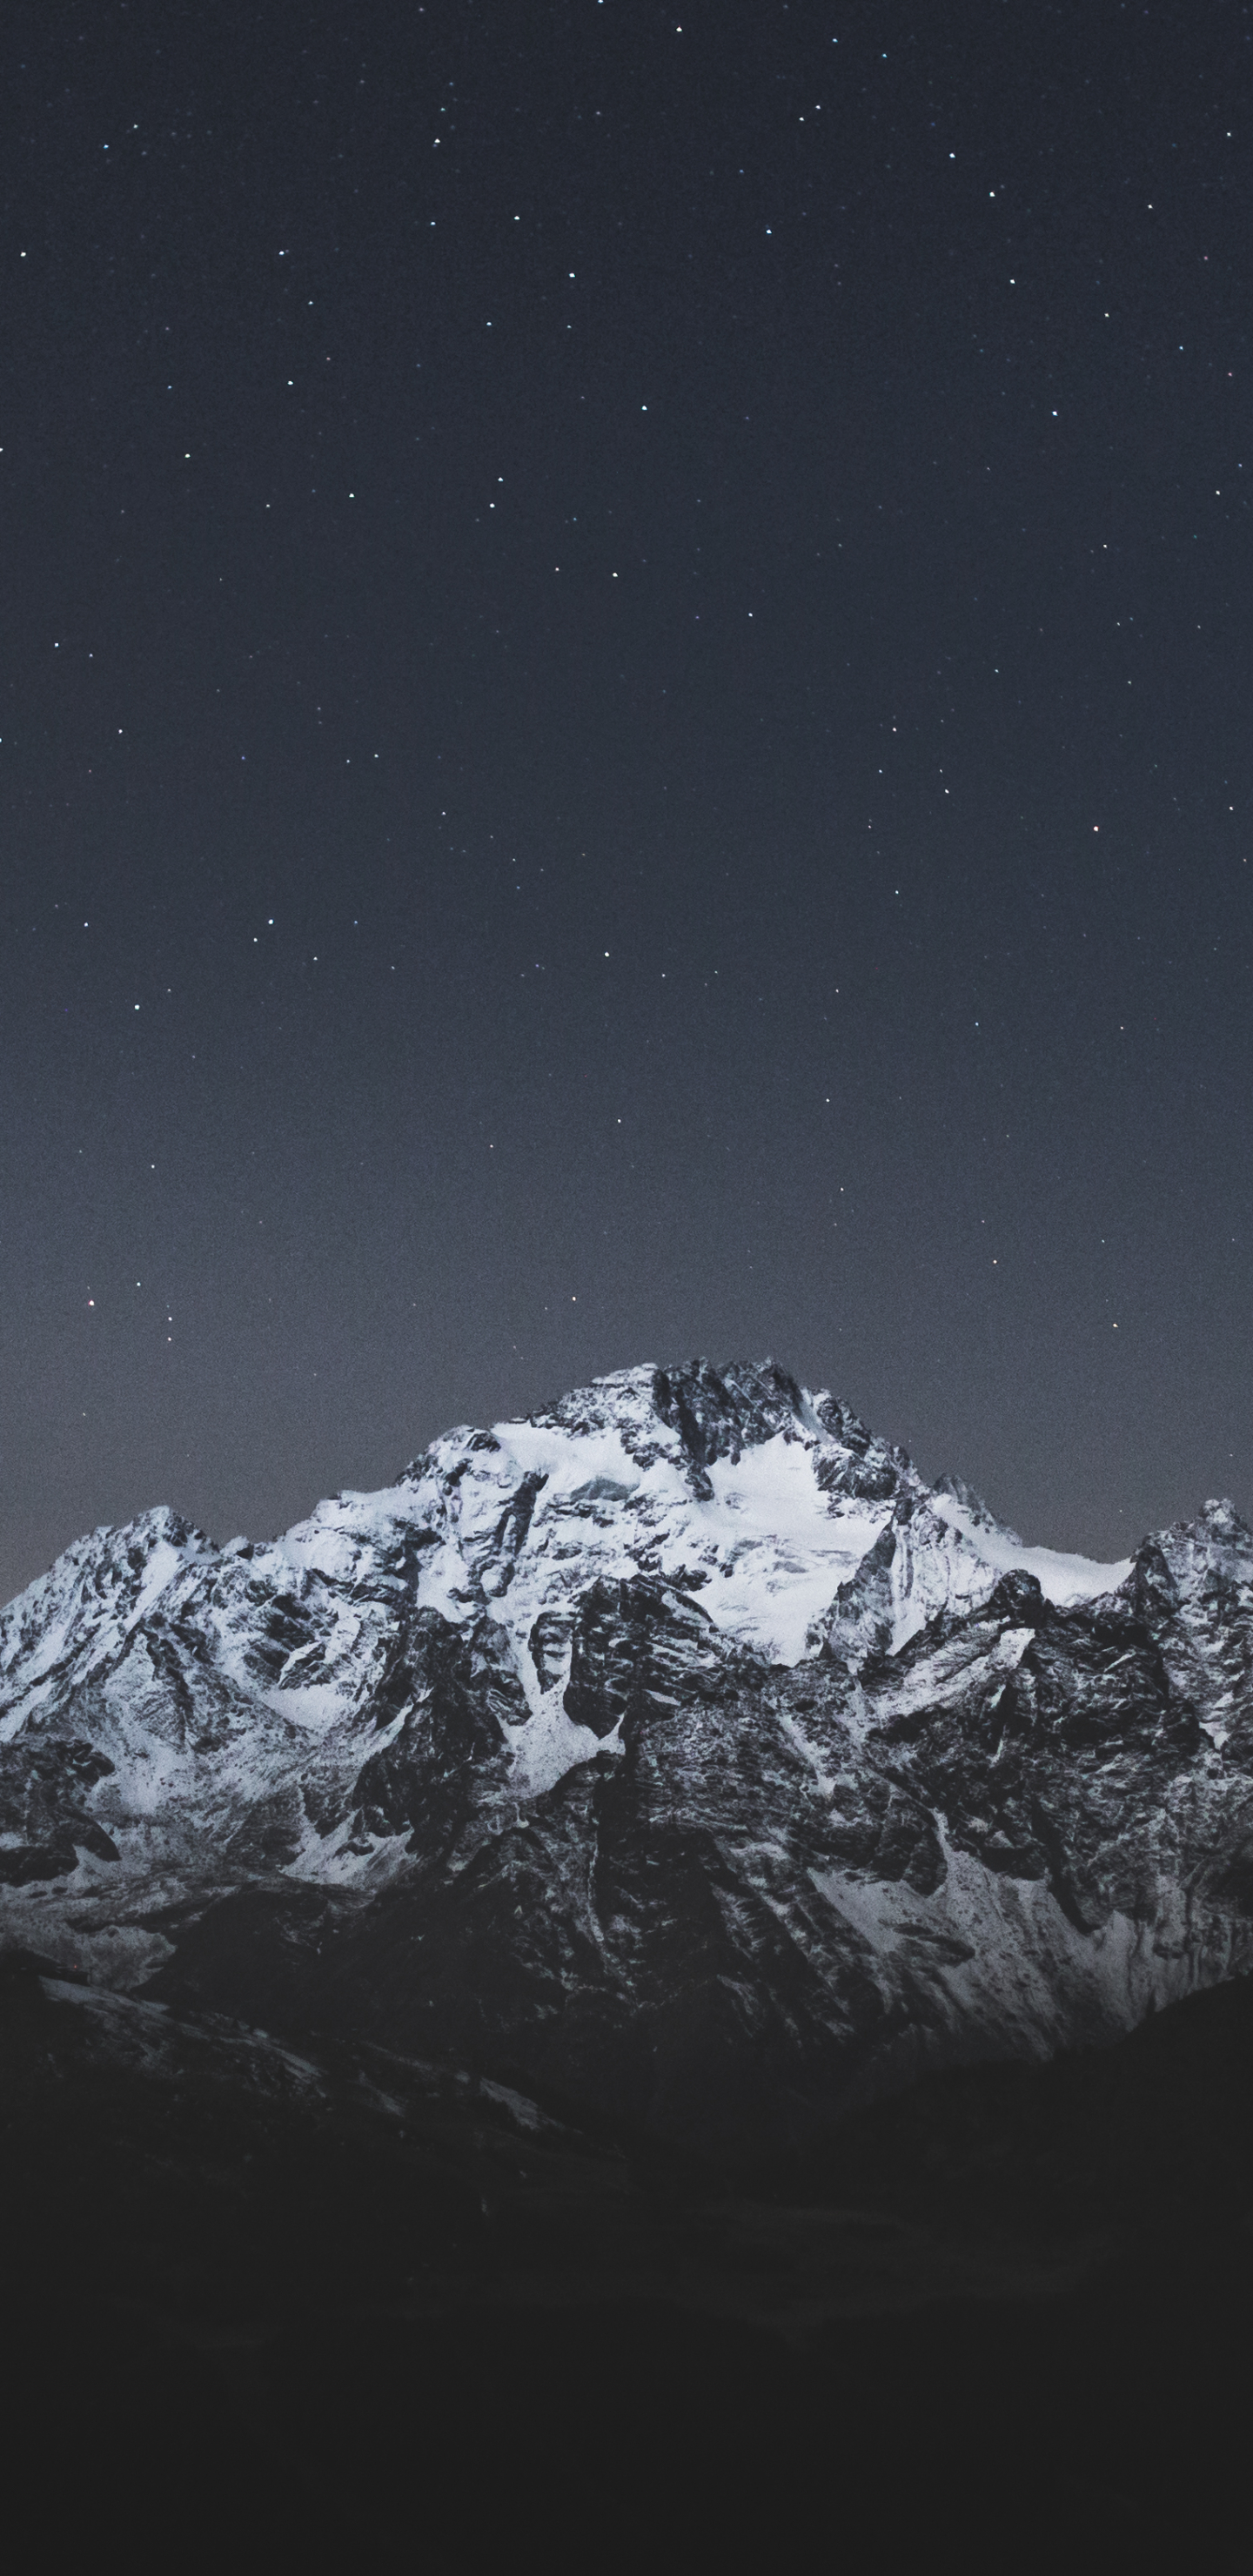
[{"x": 260, "y": 2304}]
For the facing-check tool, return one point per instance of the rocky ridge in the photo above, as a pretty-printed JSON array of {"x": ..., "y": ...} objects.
[{"x": 677, "y": 1753}]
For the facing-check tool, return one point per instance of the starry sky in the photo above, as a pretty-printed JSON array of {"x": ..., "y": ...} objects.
[{"x": 624, "y": 731}]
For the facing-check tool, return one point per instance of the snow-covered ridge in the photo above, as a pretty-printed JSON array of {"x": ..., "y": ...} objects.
[
  {"x": 767, "y": 1530},
  {"x": 222, "y": 1673},
  {"x": 764, "y": 1502},
  {"x": 690, "y": 1648}
]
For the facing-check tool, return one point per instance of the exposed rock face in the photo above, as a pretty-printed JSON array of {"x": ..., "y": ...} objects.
[{"x": 677, "y": 1751}]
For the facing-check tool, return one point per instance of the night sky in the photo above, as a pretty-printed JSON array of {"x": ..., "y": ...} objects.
[{"x": 624, "y": 731}]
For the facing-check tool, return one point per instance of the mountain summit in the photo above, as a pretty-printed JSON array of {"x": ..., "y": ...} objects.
[{"x": 676, "y": 1752}]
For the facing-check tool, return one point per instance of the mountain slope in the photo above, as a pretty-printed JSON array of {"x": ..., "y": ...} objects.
[{"x": 677, "y": 1750}]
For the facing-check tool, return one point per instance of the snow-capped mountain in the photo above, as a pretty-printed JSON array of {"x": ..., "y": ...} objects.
[{"x": 678, "y": 1749}]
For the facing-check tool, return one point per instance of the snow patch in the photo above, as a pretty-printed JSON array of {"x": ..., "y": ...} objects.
[{"x": 1064, "y": 1580}]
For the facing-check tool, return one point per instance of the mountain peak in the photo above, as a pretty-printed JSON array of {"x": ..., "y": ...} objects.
[{"x": 683, "y": 1706}]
